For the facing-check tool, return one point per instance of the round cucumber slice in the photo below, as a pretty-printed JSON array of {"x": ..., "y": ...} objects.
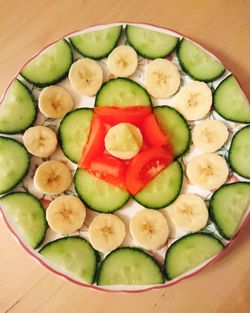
[
  {"x": 14, "y": 163},
  {"x": 230, "y": 101},
  {"x": 26, "y": 211},
  {"x": 149, "y": 43},
  {"x": 129, "y": 266},
  {"x": 175, "y": 127},
  {"x": 18, "y": 109},
  {"x": 238, "y": 155},
  {"x": 188, "y": 252},
  {"x": 74, "y": 131},
  {"x": 97, "y": 194},
  {"x": 73, "y": 254},
  {"x": 97, "y": 44},
  {"x": 163, "y": 189},
  {"x": 50, "y": 66},
  {"x": 197, "y": 63},
  {"x": 122, "y": 92},
  {"x": 227, "y": 207}
]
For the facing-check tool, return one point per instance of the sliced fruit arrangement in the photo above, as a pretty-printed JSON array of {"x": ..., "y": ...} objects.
[
  {"x": 194, "y": 100},
  {"x": 227, "y": 207},
  {"x": 74, "y": 255},
  {"x": 238, "y": 154},
  {"x": 163, "y": 189},
  {"x": 85, "y": 76},
  {"x": 97, "y": 44},
  {"x": 106, "y": 232},
  {"x": 230, "y": 101},
  {"x": 12, "y": 152},
  {"x": 129, "y": 266},
  {"x": 188, "y": 252},
  {"x": 50, "y": 66},
  {"x": 149, "y": 228},
  {"x": 52, "y": 177},
  {"x": 122, "y": 61},
  {"x": 40, "y": 141},
  {"x": 175, "y": 127},
  {"x": 27, "y": 214},
  {"x": 122, "y": 92},
  {"x": 149, "y": 43},
  {"x": 74, "y": 132},
  {"x": 210, "y": 135},
  {"x": 18, "y": 109},
  {"x": 198, "y": 63},
  {"x": 66, "y": 214},
  {"x": 208, "y": 171},
  {"x": 162, "y": 78},
  {"x": 189, "y": 212},
  {"x": 55, "y": 102},
  {"x": 98, "y": 194}
]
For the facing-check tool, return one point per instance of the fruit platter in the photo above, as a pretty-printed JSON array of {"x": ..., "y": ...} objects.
[{"x": 124, "y": 157}]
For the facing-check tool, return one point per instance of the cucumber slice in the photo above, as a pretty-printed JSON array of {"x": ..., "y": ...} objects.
[
  {"x": 129, "y": 266},
  {"x": 97, "y": 44},
  {"x": 175, "y": 127},
  {"x": 227, "y": 207},
  {"x": 97, "y": 194},
  {"x": 18, "y": 110},
  {"x": 149, "y": 43},
  {"x": 122, "y": 92},
  {"x": 230, "y": 101},
  {"x": 197, "y": 63},
  {"x": 27, "y": 214},
  {"x": 74, "y": 255},
  {"x": 14, "y": 163},
  {"x": 50, "y": 66},
  {"x": 74, "y": 131},
  {"x": 238, "y": 155},
  {"x": 190, "y": 251},
  {"x": 163, "y": 189}
]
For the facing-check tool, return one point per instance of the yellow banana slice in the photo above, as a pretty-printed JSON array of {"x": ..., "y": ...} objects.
[
  {"x": 85, "y": 76},
  {"x": 66, "y": 214},
  {"x": 208, "y": 171},
  {"x": 194, "y": 100},
  {"x": 122, "y": 61},
  {"x": 55, "y": 102},
  {"x": 123, "y": 141},
  {"x": 189, "y": 212},
  {"x": 149, "y": 229},
  {"x": 52, "y": 177},
  {"x": 162, "y": 78},
  {"x": 210, "y": 135},
  {"x": 40, "y": 141},
  {"x": 106, "y": 232}
]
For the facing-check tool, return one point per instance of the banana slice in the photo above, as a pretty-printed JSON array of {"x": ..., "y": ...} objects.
[
  {"x": 66, "y": 214},
  {"x": 123, "y": 141},
  {"x": 149, "y": 229},
  {"x": 194, "y": 100},
  {"x": 55, "y": 102},
  {"x": 106, "y": 232},
  {"x": 189, "y": 212},
  {"x": 210, "y": 135},
  {"x": 52, "y": 177},
  {"x": 208, "y": 171},
  {"x": 162, "y": 78},
  {"x": 40, "y": 141},
  {"x": 85, "y": 76},
  {"x": 122, "y": 61}
]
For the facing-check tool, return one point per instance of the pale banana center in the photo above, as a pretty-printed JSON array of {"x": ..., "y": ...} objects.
[
  {"x": 53, "y": 178},
  {"x": 207, "y": 170},
  {"x": 87, "y": 77},
  {"x": 148, "y": 227},
  {"x": 107, "y": 230},
  {"x": 122, "y": 63},
  {"x": 192, "y": 100},
  {"x": 65, "y": 212},
  {"x": 208, "y": 135},
  {"x": 161, "y": 78}
]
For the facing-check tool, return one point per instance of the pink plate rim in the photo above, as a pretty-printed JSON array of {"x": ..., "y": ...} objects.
[{"x": 93, "y": 287}]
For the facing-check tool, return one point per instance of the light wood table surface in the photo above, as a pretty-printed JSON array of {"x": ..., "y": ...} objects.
[{"x": 25, "y": 27}]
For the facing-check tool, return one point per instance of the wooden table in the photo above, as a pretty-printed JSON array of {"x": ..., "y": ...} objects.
[{"x": 25, "y": 27}]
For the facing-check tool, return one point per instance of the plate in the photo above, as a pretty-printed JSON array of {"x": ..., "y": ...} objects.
[{"x": 131, "y": 207}]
